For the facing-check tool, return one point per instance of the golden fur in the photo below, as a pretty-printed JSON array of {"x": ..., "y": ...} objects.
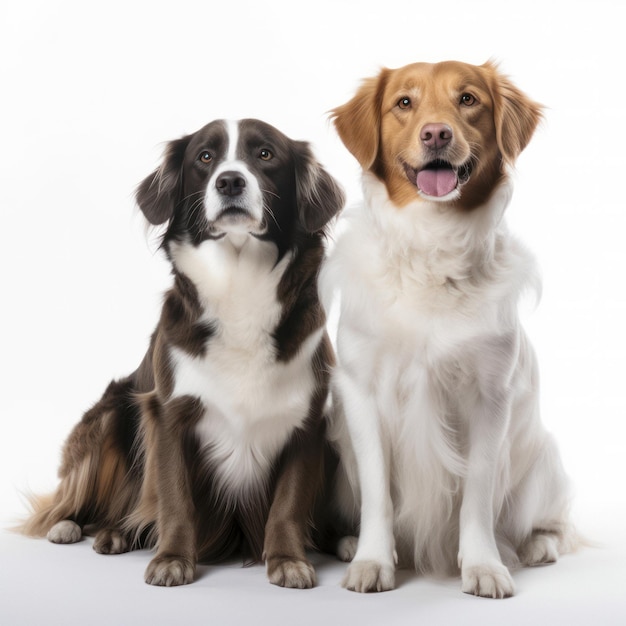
[
  {"x": 492, "y": 132},
  {"x": 444, "y": 457}
]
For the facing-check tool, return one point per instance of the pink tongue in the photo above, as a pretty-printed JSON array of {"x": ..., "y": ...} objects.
[{"x": 437, "y": 182}]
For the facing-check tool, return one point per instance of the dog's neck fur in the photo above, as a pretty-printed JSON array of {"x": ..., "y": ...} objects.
[
  {"x": 452, "y": 244},
  {"x": 219, "y": 267}
]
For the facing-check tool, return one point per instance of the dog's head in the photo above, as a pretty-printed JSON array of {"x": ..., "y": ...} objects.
[
  {"x": 442, "y": 132},
  {"x": 239, "y": 178}
]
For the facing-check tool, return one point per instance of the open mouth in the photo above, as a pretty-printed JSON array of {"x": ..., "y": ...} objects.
[{"x": 439, "y": 178}]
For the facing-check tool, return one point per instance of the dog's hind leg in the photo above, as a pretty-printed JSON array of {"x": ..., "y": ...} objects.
[
  {"x": 65, "y": 531},
  {"x": 346, "y": 548},
  {"x": 111, "y": 541},
  {"x": 541, "y": 548},
  {"x": 545, "y": 494}
]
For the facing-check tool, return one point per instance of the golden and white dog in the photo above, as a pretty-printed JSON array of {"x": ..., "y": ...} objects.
[{"x": 440, "y": 435}]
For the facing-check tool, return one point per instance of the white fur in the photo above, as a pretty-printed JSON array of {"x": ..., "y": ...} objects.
[
  {"x": 252, "y": 402},
  {"x": 440, "y": 436},
  {"x": 65, "y": 531},
  {"x": 232, "y": 130},
  {"x": 251, "y": 198}
]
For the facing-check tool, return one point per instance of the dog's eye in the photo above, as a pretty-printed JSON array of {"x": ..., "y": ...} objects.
[
  {"x": 404, "y": 103},
  {"x": 265, "y": 155},
  {"x": 468, "y": 100},
  {"x": 206, "y": 156}
]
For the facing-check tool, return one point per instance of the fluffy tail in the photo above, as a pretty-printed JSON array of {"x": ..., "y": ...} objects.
[
  {"x": 90, "y": 493},
  {"x": 100, "y": 472},
  {"x": 38, "y": 523}
]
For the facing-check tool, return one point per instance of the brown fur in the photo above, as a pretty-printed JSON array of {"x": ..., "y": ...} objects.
[
  {"x": 381, "y": 135},
  {"x": 133, "y": 471}
]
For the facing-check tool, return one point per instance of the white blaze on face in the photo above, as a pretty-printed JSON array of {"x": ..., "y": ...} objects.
[{"x": 250, "y": 198}]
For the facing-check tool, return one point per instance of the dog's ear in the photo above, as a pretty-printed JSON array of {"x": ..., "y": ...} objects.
[
  {"x": 158, "y": 194},
  {"x": 358, "y": 120},
  {"x": 318, "y": 194},
  {"x": 516, "y": 116}
]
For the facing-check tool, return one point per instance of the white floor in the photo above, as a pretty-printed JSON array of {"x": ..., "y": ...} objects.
[{"x": 42, "y": 583}]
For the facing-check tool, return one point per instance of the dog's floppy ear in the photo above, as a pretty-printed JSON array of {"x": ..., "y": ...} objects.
[
  {"x": 358, "y": 120},
  {"x": 158, "y": 194},
  {"x": 516, "y": 116},
  {"x": 318, "y": 194}
]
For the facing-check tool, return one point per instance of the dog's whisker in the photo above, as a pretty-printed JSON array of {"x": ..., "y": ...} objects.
[
  {"x": 268, "y": 210},
  {"x": 269, "y": 192}
]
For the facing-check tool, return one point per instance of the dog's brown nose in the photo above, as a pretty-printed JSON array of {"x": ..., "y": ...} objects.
[
  {"x": 436, "y": 135},
  {"x": 230, "y": 183}
]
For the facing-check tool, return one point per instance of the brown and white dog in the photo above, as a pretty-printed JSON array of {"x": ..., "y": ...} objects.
[
  {"x": 214, "y": 445},
  {"x": 440, "y": 433}
]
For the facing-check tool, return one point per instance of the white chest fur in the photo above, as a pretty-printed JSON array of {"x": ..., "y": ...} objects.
[
  {"x": 427, "y": 278},
  {"x": 253, "y": 402}
]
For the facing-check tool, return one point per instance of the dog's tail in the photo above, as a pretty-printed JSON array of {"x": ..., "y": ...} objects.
[
  {"x": 99, "y": 475},
  {"x": 40, "y": 508},
  {"x": 72, "y": 500}
]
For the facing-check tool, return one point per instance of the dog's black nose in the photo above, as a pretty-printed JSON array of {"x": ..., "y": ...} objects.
[
  {"x": 230, "y": 183},
  {"x": 436, "y": 135}
]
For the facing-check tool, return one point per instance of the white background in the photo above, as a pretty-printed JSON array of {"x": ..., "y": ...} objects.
[{"x": 89, "y": 94}]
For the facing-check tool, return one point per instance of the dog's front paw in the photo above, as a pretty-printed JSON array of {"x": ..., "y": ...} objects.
[
  {"x": 292, "y": 573},
  {"x": 491, "y": 580},
  {"x": 368, "y": 576},
  {"x": 169, "y": 571}
]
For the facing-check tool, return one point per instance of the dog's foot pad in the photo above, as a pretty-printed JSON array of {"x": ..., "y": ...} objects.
[
  {"x": 488, "y": 581},
  {"x": 540, "y": 549},
  {"x": 65, "y": 532},
  {"x": 346, "y": 548},
  {"x": 169, "y": 571},
  {"x": 292, "y": 573},
  {"x": 109, "y": 541},
  {"x": 369, "y": 576}
]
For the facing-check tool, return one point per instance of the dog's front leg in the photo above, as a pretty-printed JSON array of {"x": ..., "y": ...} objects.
[
  {"x": 175, "y": 561},
  {"x": 373, "y": 566},
  {"x": 488, "y": 414},
  {"x": 287, "y": 528}
]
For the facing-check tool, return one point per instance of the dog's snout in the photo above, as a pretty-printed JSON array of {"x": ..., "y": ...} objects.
[
  {"x": 436, "y": 135},
  {"x": 230, "y": 183}
]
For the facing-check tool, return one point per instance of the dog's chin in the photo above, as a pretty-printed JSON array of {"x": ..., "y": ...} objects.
[
  {"x": 438, "y": 180},
  {"x": 455, "y": 194},
  {"x": 236, "y": 221}
]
